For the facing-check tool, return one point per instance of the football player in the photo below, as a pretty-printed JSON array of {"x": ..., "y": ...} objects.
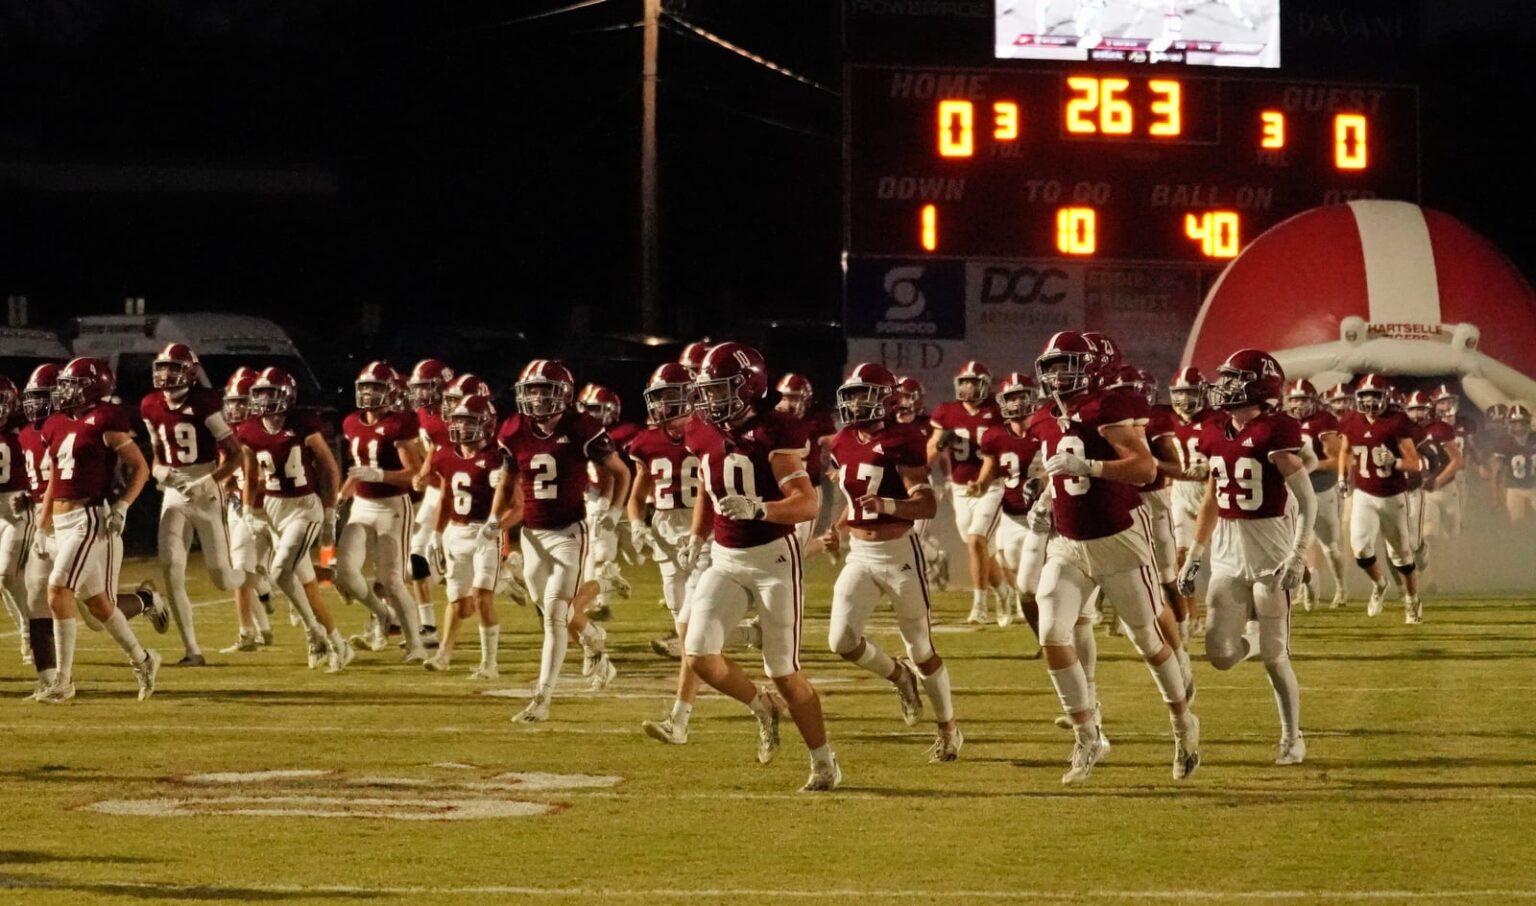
[
  {"x": 249, "y": 552},
  {"x": 383, "y": 444},
  {"x": 1096, "y": 457},
  {"x": 959, "y": 428},
  {"x": 1447, "y": 500},
  {"x": 1514, "y": 465},
  {"x": 912, "y": 410},
  {"x": 15, "y": 515},
  {"x": 1188, "y": 395},
  {"x": 195, "y": 451},
  {"x": 291, "y": 486},
  {"x": 795, "y": 394},
  {"x": 469, "y": 469},
  {"x": 1320, "y": 440},
  {"x": 1379, "y": 450},
  {"x": 86, "y": 437},
  {"x": 753, "y": 462},
  {"x": 1440, "y": 451},
  {"x": 1259, "y": 538},
  {"x": 546, "y": 446},
  {"x": 1341, "y": 401},
  {"x": 603, "y": 516},
  {"x": 424, "y": 394},
  {"x": 882, "y": 470},
  {"x": 1009, "y": 454}
]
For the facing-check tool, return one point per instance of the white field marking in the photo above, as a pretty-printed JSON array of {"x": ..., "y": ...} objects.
[
  {"x": 454, "y": 766},
  {"x": 230, "y": 777},
  {"x": 757, "y": 893},
  {"x": 306, "y": 806},
  {"x": 539, "y": 781}
]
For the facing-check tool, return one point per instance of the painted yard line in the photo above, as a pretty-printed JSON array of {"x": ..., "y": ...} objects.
[{"x": 675, "y": 893}]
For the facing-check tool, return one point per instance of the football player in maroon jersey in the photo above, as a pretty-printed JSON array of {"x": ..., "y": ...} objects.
[
  {"x": 37, "y": 466},
  {"x": 882, "y": 470},
  {"x": 546, "y": 446},
  {"x": 1378, "y": 451},
  {"x": 1320, "y": 440},
  {"x": 1259, "y": 538},
  {"x": 912, "y": 410},
  {"x": 249, "y": 552},
  {"x": 194, "y": 450},
  {"x": 1448, "y": 500},
  {"x": 1096, "y": 457},
  {"x": 291, "y": 487},
  {"x": 1514, "y": 465},
  {"x": 753, "y": 462},
  {"x": 468, "y": 471},
  {"x": 1188, "y": 398},
  {"x": 1340, "y": 400},
  {"x": 603, "y": 517},
  {"x": 959, "y": 428},
  {"x": 1008, "y": 454},
  {"x": 87, "y": 436},
  {"x": 424, "y": 395},
  {"x": 15, "y": 514},
  {"x": 1440, "y": 450},
  {"x": 795, "y": 395},
  {"x": 382, "y": 443}
]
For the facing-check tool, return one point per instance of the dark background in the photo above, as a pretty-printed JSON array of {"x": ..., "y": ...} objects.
[{"x": 471, "y": 169}]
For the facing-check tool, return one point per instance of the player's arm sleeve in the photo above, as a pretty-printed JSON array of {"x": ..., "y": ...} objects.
[
  {"x": 217, "y": 426},
  {"x": 598, "y": 446}
]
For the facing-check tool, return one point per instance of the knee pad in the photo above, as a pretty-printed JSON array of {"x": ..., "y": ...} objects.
[
  {"x": 920, "y": 653},
  {"x": 1145, "y": 639},
  {"x": 420, "y": 570},
  {"x": 841, "y": 638},
  {"x": 1366, "y": 562},
  {"x": 1221, "y": 654},
  {"x": 174, "y": 559},
  {"x": 1055, "y": 632},
  {"x": 352, "y": 582},
  {"x": 228, "y": 579}
]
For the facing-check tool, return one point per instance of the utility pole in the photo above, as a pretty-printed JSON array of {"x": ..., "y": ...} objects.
[{"x": 650, "y": 306}]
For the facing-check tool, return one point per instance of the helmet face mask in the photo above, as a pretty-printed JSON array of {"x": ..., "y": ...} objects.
[
  {"x": 1064, "y": 373},
  {"x": 424, "y": 394},
  {"x": 69, "y": 393},
  {"x": 665, "y": 403},
  {"x": 972, "y": 388},
  {"x": 372, "y": 394},
  {"x": 36, "y": 404},
  {"x": 1300, "y": 406},
  {"x": 541, "y": 398},
  {"x": 1187, "y": 402},
  {"x": 1446, "y": 406},
  {"x": 719, "y": 399},
  {"x": 1421, "y": 415},
  {"x": 1519, "y": 426},
  {"x": 236, "y": 409},
  {"x": 1370, "y": 402},
  {"x": 1015, "y": 402},
  {"x": 859, "y": 403},
  {"x": 466, "y": 428},
  {"x": 171, "y": 375}
]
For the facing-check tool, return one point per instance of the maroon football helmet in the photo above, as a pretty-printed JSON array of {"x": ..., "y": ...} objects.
[
  {"x": 1016, "y": 395},
  {"x": 273, "y": 392},
  {"x": 175, "y": 368},
  {"x": 472, "y": 420},
  {"x": 237, "y": 394},
  {"x": 1446, "y": 403},
  {"x": 37, "y": 396},
  {"x": 1372, "y": 394},
  {"x": 1301, "y": 399},
  {"x": 869, "y": 394},
  {"x": 1340, "y": 400},
  {"x": 83, "y": 382},
  {"x": 375, "y": 385},
  {"x": 1249, "y": 377},
  {"x": 732, "y": 380},
  {"x": 1186, "y": 392},
  {"x": 466, "y": 384},
  {"x": 1419, "y": 407},
  {"x": 910, "y": 402},
  {"x": 797, "y": 390},
  {"x": 601, "y": 403},
  {"x": 1519, "y": 421},
  {"x": 666, "y": 393},
  {"x": 10, "y": 400},
  {"x": 544, "y": 389},
  {"x": 973, "y": 382},
  {"x": 425, "y": 387},
  {"x": 1109, "y": 354},
  {"x": 692, "y": 356},
  {"x": 1070, "y": 363}
]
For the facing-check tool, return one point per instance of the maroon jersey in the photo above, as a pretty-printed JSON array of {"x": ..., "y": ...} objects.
[
  {"x": 187, "y": 432},
  {"x": 553, "y": 465},
  {"x": 1248, "y": 484},
  {"x": 431, "y": 428},
  {"x": 623, "y": 433},
  {"x": 83, "y": 463},
  {"x": 13, "y": 470},
  {"x": 1186, "y": 434},
  {"x": 1013, "y": 453},
  {"x": 1516, "y": 461},
  {"x": 1313, "y": 429},
  {"x": 1434, "y": 441},
  {"x": 286, "y": 463},
  {"x": 467, "y": 482},
  {"x": 36, "y": 462},
  {"x": 738, "y": 462},
  {"x": 1365, "y": 438},
  {"x": 819, "y": 424},
  {"x": 1085, "y": 508},
  {"x": 1160, "y": 421},
  {"x": 969, "y": 430},
  {"x": 674, "y": 471},
  {"x": 873, "y": 466},
  {"x": 374, "y": 445}
]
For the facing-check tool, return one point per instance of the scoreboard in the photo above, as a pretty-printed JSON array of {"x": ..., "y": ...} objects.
[{"x": 1078, "y": 163}]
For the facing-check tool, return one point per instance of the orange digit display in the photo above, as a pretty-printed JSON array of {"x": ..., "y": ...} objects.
[
  {"x": 1083, "y": 104},
  {"x": 929, "y": 232},
  {"x": 1005, "y": 120},
  {"x": 1218, "y": 232},
  {"x": 957, "y": 136},
  {"x": 1349, "y": 141},
  {"x": 1273, "y": 136},
  {"x": 1076, "y": 231},
  {"x": 1115, "y": 112},
  {"x": 1169, "y": 108}
]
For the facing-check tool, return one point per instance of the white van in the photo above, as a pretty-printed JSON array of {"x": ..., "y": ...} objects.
[
  {"x": 223, "y": 342},
  {"x": 24, "y": 348}
]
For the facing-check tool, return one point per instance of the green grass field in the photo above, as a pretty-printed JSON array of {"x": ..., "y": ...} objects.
[{"x": 1420, "y": 783}]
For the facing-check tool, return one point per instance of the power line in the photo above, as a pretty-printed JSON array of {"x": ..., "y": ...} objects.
[
  {"x": 699, "y": 32},
  {"x": 545, "y": 14}
]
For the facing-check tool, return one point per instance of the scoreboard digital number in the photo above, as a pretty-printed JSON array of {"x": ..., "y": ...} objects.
[{"x": 1125, "y": 167}]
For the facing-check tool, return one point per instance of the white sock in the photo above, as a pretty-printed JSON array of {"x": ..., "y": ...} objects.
[
  {"x": 181, "y": 608},
  {"x": 552, "y": 656},
  {"x": 490, "y": 637},
  {"x": 681, "y": 711},
  {"x": 979, "y": 598},
  {"x": 1072, "y": 689},
  {"x": 937, "y": 687},
  {"x": 117, "y": 627},
  {"x": 46, "y": 677},
  {"x": 759, "y": 703},
  {"x": 876, "y": 661},
  {"x": 593, "y": 637},
  {"x": 64, "y": 635},
  {"x": 1087, "y": 647},
  {"x": 427, "y": 613},
  {"x": 1169, "y": 680},
  {"x": 1184, "y": 669},
  {"x": 822, "y": 754},
  {"x": 335, "y": 639},
  {"x": 1287, "y": 696},
  {"x": 259, "y": 616}
]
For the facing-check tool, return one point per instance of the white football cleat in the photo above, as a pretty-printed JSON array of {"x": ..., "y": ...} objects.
[
  {"x": 244, "y": 643},
  {"x": 1084, "y": 756},
  {"x": 145, "y": 672},
  {"x": 485, "y": 672},
  {"x": 603, "y": 673},
  {"x": 1292, "y": 751},
  {"x": 978, "y": 615},
  {"x": 768, "y": 731},
  {"x": 907, "y": 692},
  {"x": 1413, "y": 612},
  {"x": 1378, "y": 596},
  {"x": 670, "y": 647},
  {"x": 293, "y": 616},
  {"x": 1304, "y": 597},
  {"x": 946, "y": 746},
  {"x": 318, "y": 653},
  {"x": 825, "y": 777},
  {"x": 417, "y": 655},
  {"x": 437, "y": 663},
  {"x": 1340, "y": 599},
  {"x": 1186, "y": 747},
  {"x": 666, "y": 731},
  {"x": 57, "y": 693},
  {"x": 592, "y": 654},
  {"x": 155, "y": 609},
  {"x": 1004, "y": 608},
  {"x": 265, "y": 637},
  {"x": 611, "y": 582},
  {"x": 536, "y": 711},
  {"x": 339, "y": 658}
]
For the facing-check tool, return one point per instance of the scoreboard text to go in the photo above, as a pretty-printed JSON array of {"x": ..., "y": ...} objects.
[{"x": 1075, "y": 231}]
